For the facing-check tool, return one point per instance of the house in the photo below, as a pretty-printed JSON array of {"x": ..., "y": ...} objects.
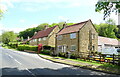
[
  {"x": 77, "y": 39},
  {"x": 45, "y": 37},
  {"x": 108, "y": 45}
]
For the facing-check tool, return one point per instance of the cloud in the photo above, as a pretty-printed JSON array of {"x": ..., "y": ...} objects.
[
  {"x": 5, "y": 4},
  {"x": 62, "y": 19},
  {"x": 22, "y": 20}
]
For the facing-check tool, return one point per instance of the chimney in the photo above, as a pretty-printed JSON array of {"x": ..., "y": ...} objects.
[
  {"x": 46, "y": 27},
  {"x": 35, "y": 33},
  {"x": 64, "y": 25}
]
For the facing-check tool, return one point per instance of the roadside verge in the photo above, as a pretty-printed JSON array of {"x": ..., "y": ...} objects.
[{"x": 106, "y": 68}]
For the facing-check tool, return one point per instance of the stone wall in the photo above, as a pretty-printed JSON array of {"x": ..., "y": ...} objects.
[{"x": 84, "y": 37}]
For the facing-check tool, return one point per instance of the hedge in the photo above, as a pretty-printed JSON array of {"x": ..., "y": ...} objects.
[
  {"x": 27, "y": 47},
  {"x": 45, "y": 52},
  {"x": 48, "y": 47}
]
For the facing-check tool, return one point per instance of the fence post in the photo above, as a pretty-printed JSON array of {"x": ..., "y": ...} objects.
[
  {"x": 113, "y": 59},
  {"x": 100, "y": 58}
]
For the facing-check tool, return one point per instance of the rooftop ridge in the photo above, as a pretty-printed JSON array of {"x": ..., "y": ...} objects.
[{"x": 77, "y": 23}]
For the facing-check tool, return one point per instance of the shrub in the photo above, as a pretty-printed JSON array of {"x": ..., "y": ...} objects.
[
  {"x": 48, "y": 47},
  {"x": 73, "y": 56},
  {"x": 61, "y": 54},
  {"x": 27, "y": 47},
  {"x": 45, "y": 52}
]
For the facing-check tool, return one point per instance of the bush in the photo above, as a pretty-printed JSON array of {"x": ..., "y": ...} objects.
[
  {"x": 48, "y": 47},
  {"x": 73, "y": 56},
  {"x": 45, "y": 52},
  {"x": 61, "y": 54},
  {"x": 3, "y": 45},
  {"x": 27, "y": 47}
]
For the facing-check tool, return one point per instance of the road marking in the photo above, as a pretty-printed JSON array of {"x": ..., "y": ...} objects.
[
  {"x": 18, "y": 62},
  {"x": 10, "y": 56},
  {"x": 30, "y": 72}
]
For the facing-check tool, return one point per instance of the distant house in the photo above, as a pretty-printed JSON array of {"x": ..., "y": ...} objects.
[
  {"x": 45, "y": 37},
  {"x": 78, "y": 38},
  {"x": 108, "y": 45}
]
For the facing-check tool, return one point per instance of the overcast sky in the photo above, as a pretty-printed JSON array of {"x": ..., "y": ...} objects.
[{"x": 22, "y": 14}]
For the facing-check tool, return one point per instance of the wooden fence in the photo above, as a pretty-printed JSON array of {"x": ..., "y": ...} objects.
[{"x": 113, "y": 59}]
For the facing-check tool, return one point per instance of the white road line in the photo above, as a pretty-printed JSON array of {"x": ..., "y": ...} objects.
[
  {"x": 10, "y": 56},
  {"x": 30, "y": 72},
  {"x": 18, "y": 62}
]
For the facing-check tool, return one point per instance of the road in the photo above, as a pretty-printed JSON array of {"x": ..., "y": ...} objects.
[{"x": 23, "y": 63}]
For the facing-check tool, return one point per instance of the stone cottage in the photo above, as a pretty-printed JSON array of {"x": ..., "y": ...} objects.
[
  {"x": 77, "y": 39},
  {"x": 45, "y": 37}
]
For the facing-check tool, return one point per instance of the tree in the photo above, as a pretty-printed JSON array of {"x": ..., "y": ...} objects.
[
  {"x": 30, "y": 31},
  {"x": 106, "y": 29},
  {"x": 8, "y": 36},
  {"x": 107, "y": 7}
]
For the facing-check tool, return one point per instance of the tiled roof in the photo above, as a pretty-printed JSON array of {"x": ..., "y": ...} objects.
[
  {"x": 108, "y": 41},
  {"x": 43, "y": 33},
  {"x": 72, "y": 28}
]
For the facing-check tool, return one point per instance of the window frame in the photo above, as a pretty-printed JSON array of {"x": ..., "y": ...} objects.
[
  {"x": 72, "y": 35},
  {"x": 71, "y": 49},
  {"x": 59, "y": 37}
]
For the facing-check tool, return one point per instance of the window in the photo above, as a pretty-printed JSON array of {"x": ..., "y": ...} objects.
[
  {"x": 59, "y": 48},
  {"x": 93, "y": 48},
  {"x": 59, "y": 37},
  {"x": 93, "y": 36},
  {"x": 44, "y": 38},
  {"x": 35, "y": 40},
  {"x": 73, "y": 47},
  {"x": 73, "y": 35},
  {"x": 39, "y": 39}
]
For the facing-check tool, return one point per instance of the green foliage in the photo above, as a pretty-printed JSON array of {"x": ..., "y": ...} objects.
[
  {"x": 107, "y": 29},
  {"x": 107, "y": 7},
  {"x": 27, "y": 47},
  {"x": 8, "y": 36},
  {"x": 48, "y": 47},
  {"x": 30, "y": 31},
  {"x": 45, "y": 52}
]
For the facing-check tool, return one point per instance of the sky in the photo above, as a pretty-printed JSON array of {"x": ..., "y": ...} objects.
[{"x": 22, "y": 14}]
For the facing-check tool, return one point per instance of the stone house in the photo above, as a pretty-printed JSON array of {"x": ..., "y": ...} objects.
[
  {"x": 108, "y": 45},
  {"x": 45, "y": 37},
  {"x": 77, "y": 39}
]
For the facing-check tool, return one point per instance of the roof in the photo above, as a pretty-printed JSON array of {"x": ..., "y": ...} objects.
[
  {"x": 72, "y": 28},
  {"x": 108, "y": 41},
  {"x": 43, "y": 33}
]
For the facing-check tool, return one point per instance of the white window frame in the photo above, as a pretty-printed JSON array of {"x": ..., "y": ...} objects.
[
  {"x": 58, "y": 48},
  {"x": 44, "y": 38},
  {"x": 93, "y": 48},
  {"x": 59, "y": 37},
  {"x": 72, "y": 35},
  {"x": 39, "y": 39},
  {"x": 93, "y": 36},
  {"x": 35, "y": 40},
  {"x": 72, "y": 48}
]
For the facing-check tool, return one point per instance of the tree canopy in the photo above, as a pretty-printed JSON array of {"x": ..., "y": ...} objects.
[
  {"x": 107, "y": 7},
  {"x": 30, "y": 31},
  {"x": 107, "y": 29},
  {"x": 8, "y": 36}
]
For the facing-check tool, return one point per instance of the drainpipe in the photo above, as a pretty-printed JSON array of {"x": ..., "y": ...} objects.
[
  {"x": 78, "y": 43},
  {"x": 55, "y": 50}
]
